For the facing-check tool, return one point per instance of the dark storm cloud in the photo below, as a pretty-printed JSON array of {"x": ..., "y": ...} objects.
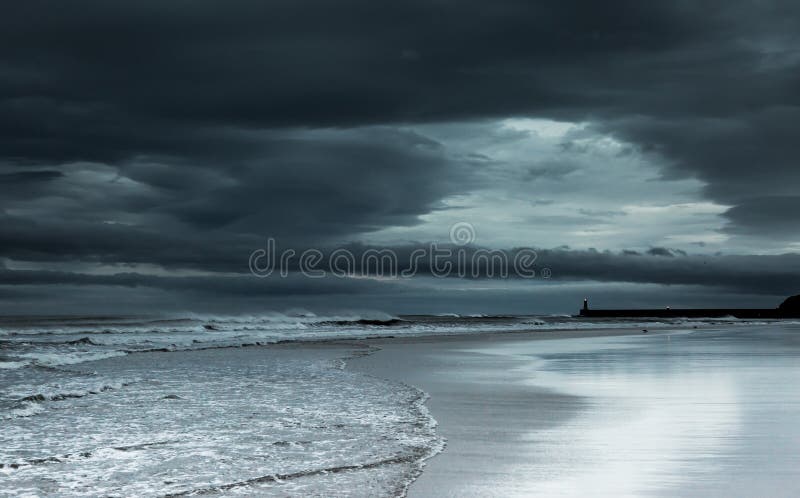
[
  {"x": 331, "y": 183},
  {"x": 49, "y": 240},
  {"x": 766, "y": 215},
  {"x": 710, "y": 86},
  {"x": 772, "y": 275},
  {"x": 183, "y": 133},
  {"x": 216, "y": 285},
  {"x": 26, "y": 177},
  {"x": 776, "y": 275},
  {"x": 749, "y": 158},
  {"x": 300, "y": 187}
]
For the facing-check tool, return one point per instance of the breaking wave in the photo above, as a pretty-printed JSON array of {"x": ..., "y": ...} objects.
[
  {"x": 274, "y": 421},
  {"x": 63, "y": 341}
]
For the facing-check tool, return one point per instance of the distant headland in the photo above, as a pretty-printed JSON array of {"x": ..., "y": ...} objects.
[{"x": 789, "y": 308}]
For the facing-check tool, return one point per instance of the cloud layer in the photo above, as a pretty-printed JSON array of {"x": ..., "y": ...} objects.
[{"x": 164, "y": 138}]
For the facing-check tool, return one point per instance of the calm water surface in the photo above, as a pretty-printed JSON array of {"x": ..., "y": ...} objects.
[{"x": 689, "y": 413}]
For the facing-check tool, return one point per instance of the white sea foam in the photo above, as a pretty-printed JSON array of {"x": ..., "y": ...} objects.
[
  {"x": 13, "y": 364},
  {"x": 53, "y": 359},
  {"x": 237, "y": 421},
  {"x": 26, "y": 409},
  {"x": 67, "y": 388},
  {"x": 53, "y": 344}
]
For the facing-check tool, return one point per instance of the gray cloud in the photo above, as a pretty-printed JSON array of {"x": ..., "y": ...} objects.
[
  {"x": 774, "y": 275},
  {"x": 766, "y": 215},
  {"x": 300, "y": 188},
  {"x": 747, "y": 158},
  {"x": 180, "y": 135}
]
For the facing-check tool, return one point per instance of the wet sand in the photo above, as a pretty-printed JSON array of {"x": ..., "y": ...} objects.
[
  {"x": 606, "y": 413},
  {"x": 483, "y": 403}
]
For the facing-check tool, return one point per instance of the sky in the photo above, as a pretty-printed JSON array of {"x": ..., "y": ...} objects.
[{"x": 646, "y": 152}]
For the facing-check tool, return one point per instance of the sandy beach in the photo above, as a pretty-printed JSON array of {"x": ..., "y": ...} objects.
[
  {"x": 605, "y": 413},
  {"x": 483, "y": 405}
]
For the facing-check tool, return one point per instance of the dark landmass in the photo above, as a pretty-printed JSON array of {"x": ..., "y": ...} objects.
[{"x": 790, "y": 308}]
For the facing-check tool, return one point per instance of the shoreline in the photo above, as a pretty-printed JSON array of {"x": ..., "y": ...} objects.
[
  {"x": 611, "y": 412},
  {"x": 480, "y": 404},
  {"x": 535, "y": 334}
]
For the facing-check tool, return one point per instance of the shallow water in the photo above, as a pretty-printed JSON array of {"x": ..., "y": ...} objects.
[{"x": 274, "y": 421}]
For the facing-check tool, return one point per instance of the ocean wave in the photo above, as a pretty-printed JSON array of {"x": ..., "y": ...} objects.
[
  {"x": 10, "y": 365},
  {"x": 279, "y": 478},
  {"x": 83, "y": 340},
  {"x": 364, "y": 321},
  {"x": 65, "y": 389},
  {"x": 296, "y": 320},
  {"x": 80, "y": 455},
  {"x": 53, "y": 342},
  {"x": 60, "y": 345},
  {"x": 62, "y": 395},
  {"x": 57, "y": 358},
  {"x": 25, "y": 409},
  {"x": 32, "y": 400}
]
